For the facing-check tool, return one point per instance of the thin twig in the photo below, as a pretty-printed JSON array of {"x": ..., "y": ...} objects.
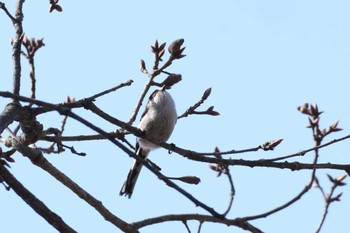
[
  {"x": 191, "y": 110},
  {"x": 3, "y": 7},
  {"x": 303, "y": 152},
  {"x": 317, "y": 141},
  {"x": 290, "y": 202},
  {"x": 232, "y": 191},
  {"x": 186, "y": 225},
  {"x": 325, "y": 212},
  {"x": 200, "y": 226},
  {"x": 127, "y": 83},
  {"x": 201, "y": 218},
  {"x": 139, "y": 102},
  {"x": 329, "y": 198}
]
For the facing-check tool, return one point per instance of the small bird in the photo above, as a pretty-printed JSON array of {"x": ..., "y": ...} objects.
[{"x": 158, "y": 122}]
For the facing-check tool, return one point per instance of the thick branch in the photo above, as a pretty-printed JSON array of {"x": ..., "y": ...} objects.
[
  {"x": 8, "y": 115},
  {"x": 37, "y": 205},
  {"x": 39, "y": 160},
  {"x": 16, "y": 51}
]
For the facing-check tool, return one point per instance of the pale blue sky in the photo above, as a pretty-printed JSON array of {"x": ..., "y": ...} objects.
[{"x": 262, "y": 59}]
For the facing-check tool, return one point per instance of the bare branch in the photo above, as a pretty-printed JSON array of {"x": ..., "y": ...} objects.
[
  {"x": 37, "y": 205},
  {"x": 39, "y": 160},
  {"x": 303, "y": 152},
  {"x": 32, "y": 47},
  {"x": 329, "y": 198},
  {"x": 292, "y": 201},
  {"x": 198, "y": 217},
  {"x": 232, "y": 191},
  {"x": 3, "y": 7},
  {"x": 192, "y": 110},
  {"x": 16, "y": 51},
  {"x": 127, "y": 83}
]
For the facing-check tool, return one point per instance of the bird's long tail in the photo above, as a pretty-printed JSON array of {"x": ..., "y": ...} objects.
[{"x": 134, "y": 172}]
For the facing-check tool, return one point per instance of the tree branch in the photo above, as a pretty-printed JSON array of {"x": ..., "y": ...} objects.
[
  {"x": 127, "y": 83},
  {"x": 37, "y": 205},
  {"x": 66, "y": 111},
  {"x": 39, "y": 160},
  {"x": 3, "y": 7},
  {"x": 192, "y": 155},
  {"x": 16, "y": 51},
  {"x": 198, "y": 217}
]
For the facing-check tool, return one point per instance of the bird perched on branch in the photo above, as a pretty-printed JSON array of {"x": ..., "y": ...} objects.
[{"x": 158, "y": 122}]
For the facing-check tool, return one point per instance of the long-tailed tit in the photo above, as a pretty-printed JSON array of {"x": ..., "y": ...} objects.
[{"x": 158, "y": 121}]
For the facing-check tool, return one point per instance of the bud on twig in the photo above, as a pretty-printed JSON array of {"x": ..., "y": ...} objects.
[
  {"x": 190, "y": 179},
  {"x": 187, "y": 179},
  {"x": 271, "y": 144},
  {"x": 171, "y": 80},
  {"x": 175, "y": 49},
  {"x": 206, "y": 94},
  {"x": 143, "y": 67}
]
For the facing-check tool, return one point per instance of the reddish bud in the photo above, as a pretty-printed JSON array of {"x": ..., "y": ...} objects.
[
  {"x": 190, "y": 179},
  {"x": 175, "y": 48},
  {"x": 171, "y": 80},
  {"x": 143, "y": 66}
]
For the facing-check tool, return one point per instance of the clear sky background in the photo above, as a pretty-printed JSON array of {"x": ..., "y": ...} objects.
[{"x": 262, "y": 59}]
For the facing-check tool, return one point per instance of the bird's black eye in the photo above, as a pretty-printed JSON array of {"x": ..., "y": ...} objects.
[{"x": 153, "y": 95}]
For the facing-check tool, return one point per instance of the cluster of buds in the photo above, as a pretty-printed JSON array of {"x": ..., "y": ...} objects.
[
  {"x": 336, "y": 183},
  {"x": 55, "y": 6},
  {"x": 311, "y": 110},
  {"x": 69, "y": 100},
  {"x": 175, "y": 50},
  {"x": 158, "y": 50},
  {"x": 32, "y": 45},
  {"x": 314, "y": 118},
  {"x": 220, "y": 168}
]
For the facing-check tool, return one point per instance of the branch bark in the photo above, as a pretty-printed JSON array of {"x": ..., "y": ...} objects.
[{"x": 16, "y": 50}]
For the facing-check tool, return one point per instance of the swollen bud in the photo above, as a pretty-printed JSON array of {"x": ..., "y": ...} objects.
[{"x": 175, "y": 48}]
